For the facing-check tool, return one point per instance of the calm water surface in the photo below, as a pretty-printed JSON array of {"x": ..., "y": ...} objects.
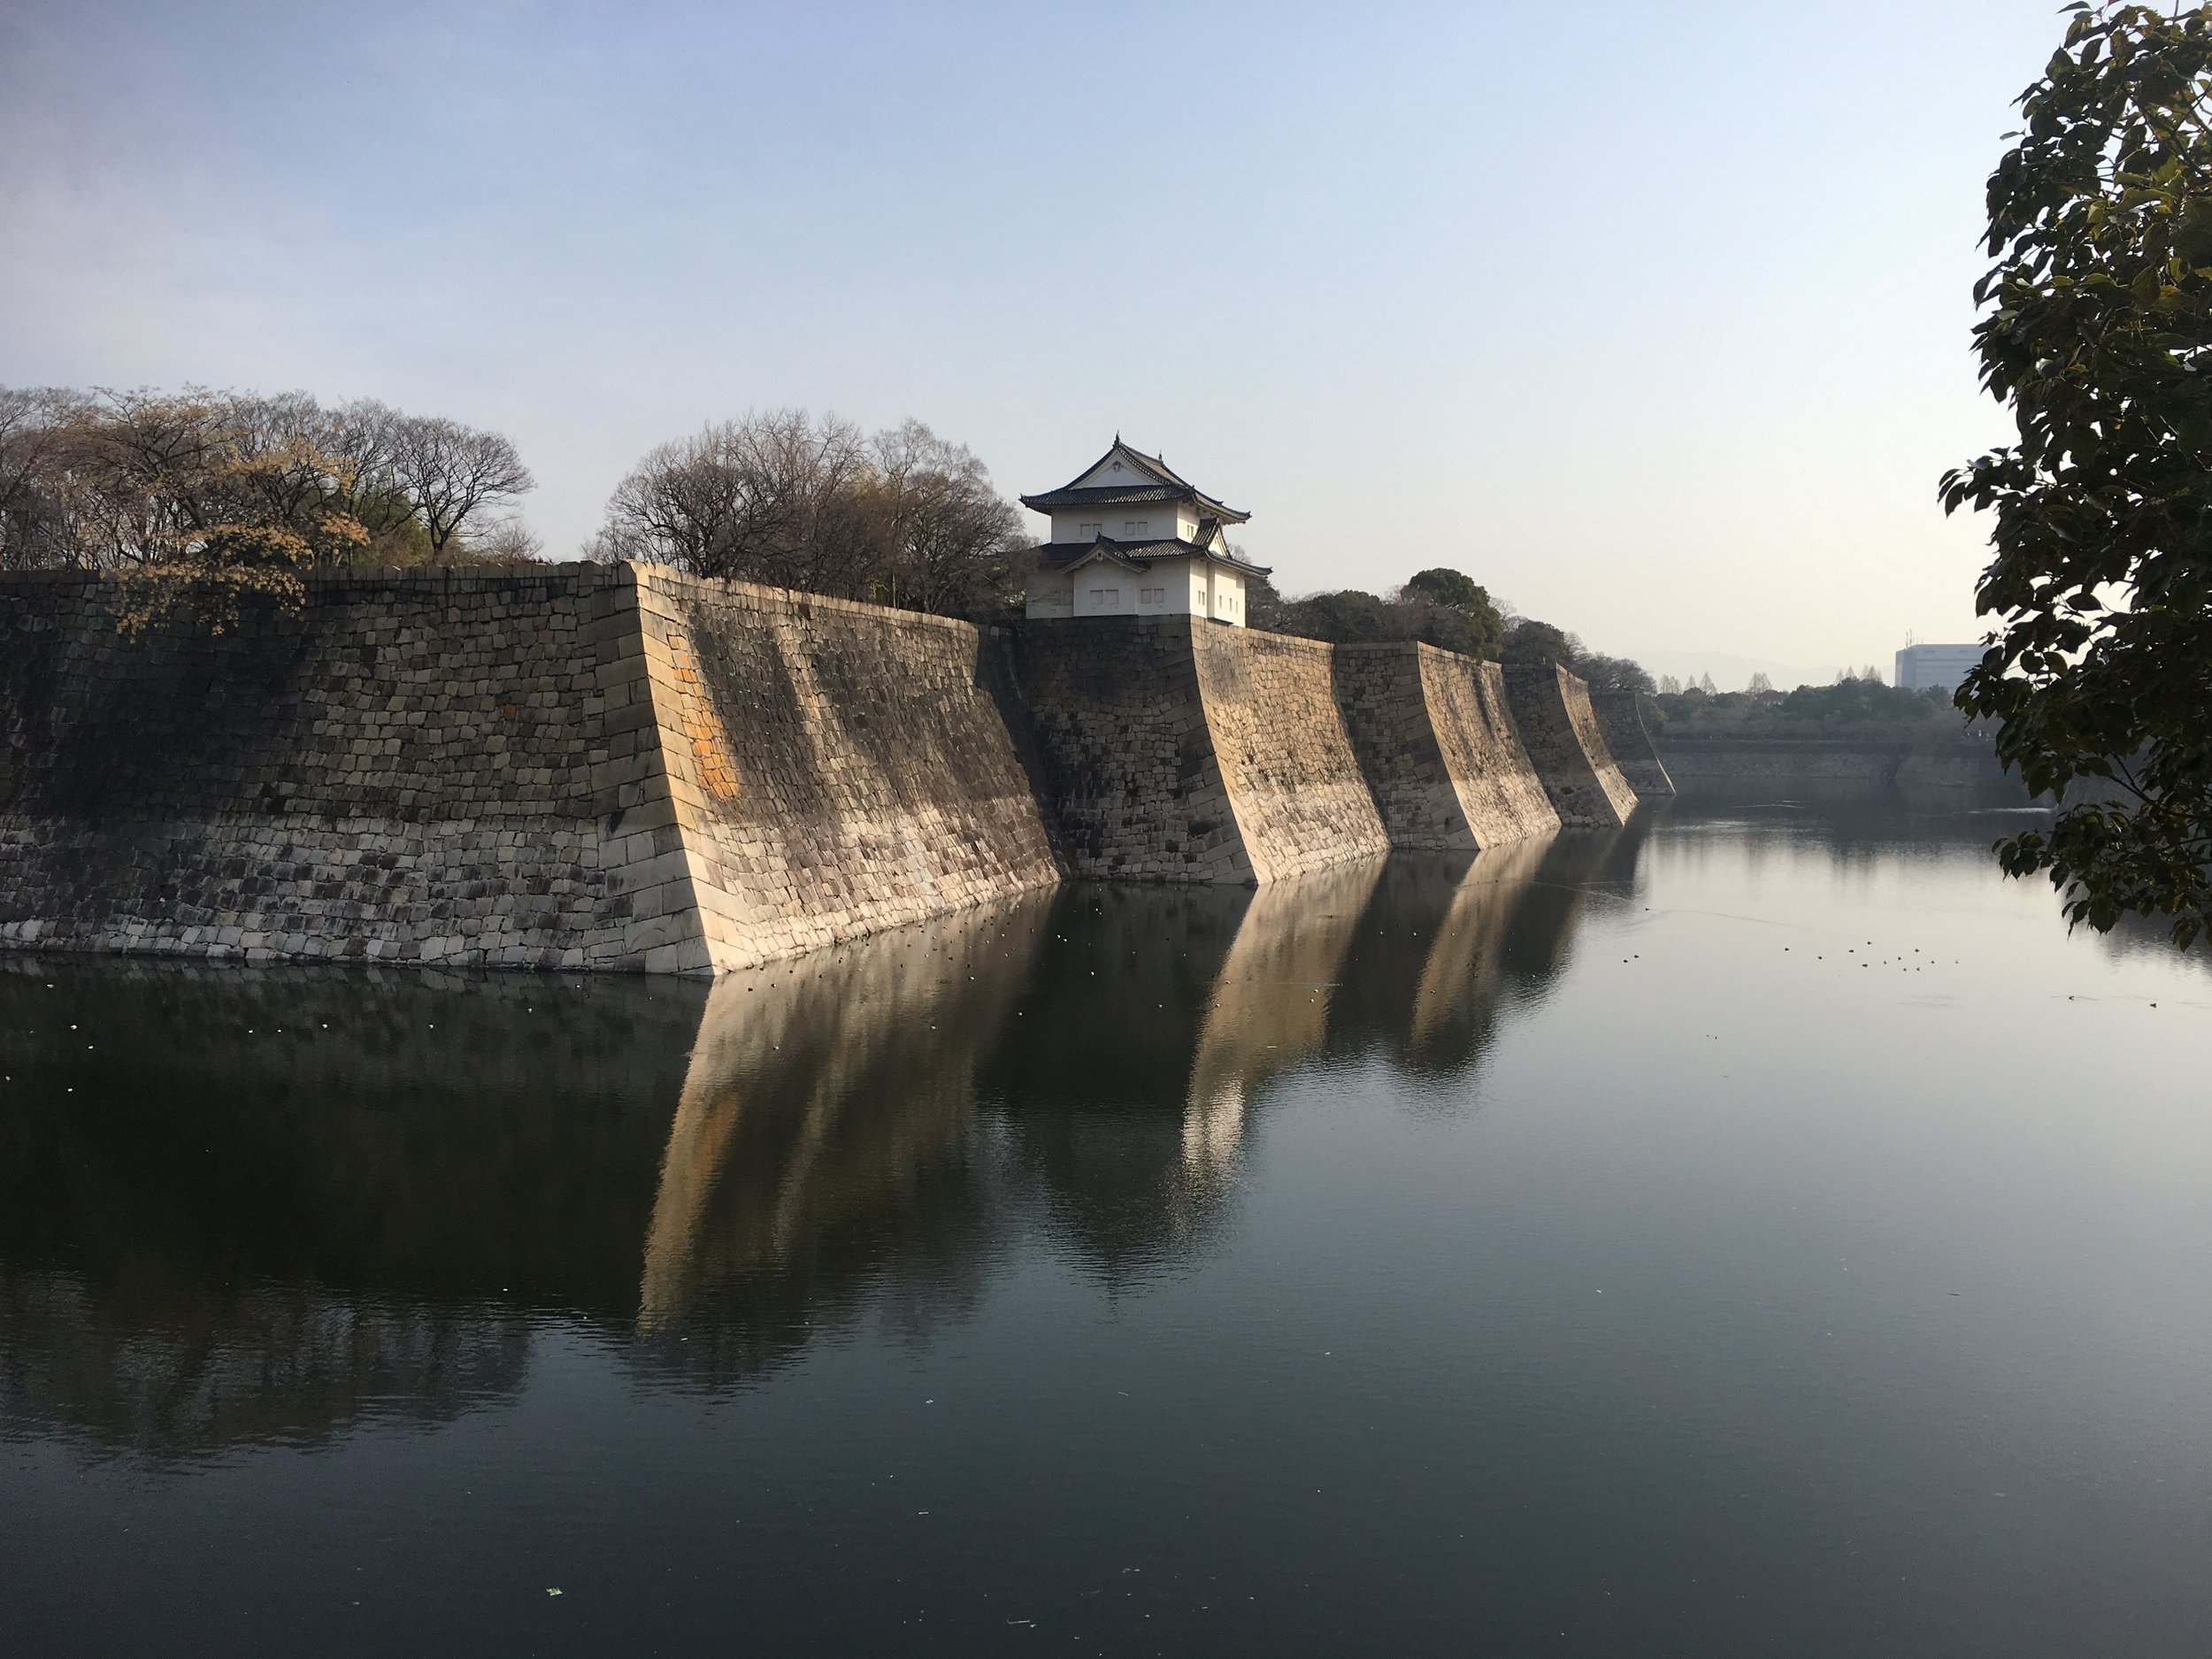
[{"x": 1759, "y": 1233}]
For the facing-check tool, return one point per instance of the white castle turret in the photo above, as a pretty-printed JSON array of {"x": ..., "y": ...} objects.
[{"x": 1132, "y": 537}]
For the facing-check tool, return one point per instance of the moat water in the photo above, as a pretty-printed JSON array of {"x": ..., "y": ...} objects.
[{"x": 1761, "y": 1232}]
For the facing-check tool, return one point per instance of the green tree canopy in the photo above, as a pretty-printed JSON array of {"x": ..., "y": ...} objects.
[
  {"x": 1462, "y": 596},
  {"x": 2098, "y": 333},
  {"x": 1531, "y": 643}
]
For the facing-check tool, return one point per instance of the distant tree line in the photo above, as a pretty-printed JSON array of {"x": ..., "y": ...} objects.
[
  {"x": 1447, "y": 609},
  {"x": 217, "y": 498},
  {"x": 902, "y": 518},
  {"x": 1860, "y": 699}
]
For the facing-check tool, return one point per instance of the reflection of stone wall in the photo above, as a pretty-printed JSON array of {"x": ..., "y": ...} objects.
[
  {"x": 825, "y": 1110},
  {"x": 240, "y": 1204},
  {"x": 1271, "y": 1002},
  {"x": 1621, "y": 718},
  {"x": 1552, "y": 709},
  {"x": 1437, "y": 741}
]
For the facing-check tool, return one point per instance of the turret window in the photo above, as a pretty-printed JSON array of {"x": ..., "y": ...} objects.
[{"x": 1136, "y": 529}]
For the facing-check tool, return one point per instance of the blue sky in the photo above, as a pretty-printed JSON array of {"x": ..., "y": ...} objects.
[{"x": 1655, "y": 318}]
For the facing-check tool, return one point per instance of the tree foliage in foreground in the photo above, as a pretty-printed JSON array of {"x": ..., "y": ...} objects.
[{"x": 2098, "y": 333}]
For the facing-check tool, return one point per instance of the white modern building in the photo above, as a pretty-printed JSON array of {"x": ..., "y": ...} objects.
[
  {"x": 1936, "y": 667},
  {"x": 1130, "y": 537}
]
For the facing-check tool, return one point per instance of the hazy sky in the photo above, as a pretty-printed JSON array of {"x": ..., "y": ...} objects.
[{"x": 1654, "y": 318}]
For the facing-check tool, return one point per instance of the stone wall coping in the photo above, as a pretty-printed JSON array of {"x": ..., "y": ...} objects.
[{"x": 567, "y": 576}]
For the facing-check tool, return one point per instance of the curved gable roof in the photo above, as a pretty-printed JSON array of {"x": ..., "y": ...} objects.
[{"x": 1150, "y": 478}]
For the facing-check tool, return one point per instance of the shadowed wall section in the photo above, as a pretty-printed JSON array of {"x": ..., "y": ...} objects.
[
  {"x": 1437, "y": 741},
  {"x": 1622, "y": 720},
  {"x": 1551, "y": 708},
  {"x": 593, "y": 767},
  {"x": 420, "y": 768},
  {"x": 622, "y": 768},
  {"x": 1176, "y": 749}
]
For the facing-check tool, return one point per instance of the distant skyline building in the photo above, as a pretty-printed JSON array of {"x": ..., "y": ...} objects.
[
  {"x": 1131, "y": 537},
  {"x": 1935, "y": 667}
]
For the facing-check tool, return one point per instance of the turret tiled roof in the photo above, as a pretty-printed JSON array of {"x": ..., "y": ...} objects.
[
  {"x": 1139, "y": 555},
  {"x": 1151, "y": 478}
]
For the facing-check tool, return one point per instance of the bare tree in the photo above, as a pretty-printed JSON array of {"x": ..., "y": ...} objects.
[
  {"x": 132, "y": 480},
  {"x": 949, "y": 534},
  {"x": 774, "y": 497},
  {"x": 697, "y": 503},
  {"x": 450, "y": 471},
  {"x": 35, "y": 428}
]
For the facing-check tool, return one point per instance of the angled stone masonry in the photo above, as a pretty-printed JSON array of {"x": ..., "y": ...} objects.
[
  {"x": 1437, "y": 742},
  {"x": 552, "y": 769},
  {"x": 620, "y": 768},
  {"x": 1551, "y": 708},
  {"x": 1621, "y": 718},
  {"x": 831, "y": 769},
  {"x": 1180, "y": 749}
]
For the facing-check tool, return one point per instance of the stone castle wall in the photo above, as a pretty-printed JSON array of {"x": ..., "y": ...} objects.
[
  {"x": 619, "y": 767},
  {"x": 1551, "y": 708},
  {"x": 834, "y": 768},
  {"x": 410, "y": 769},
  {"x": 1437, "y": 742},
  {"x": 1300, "y": 799},
  {"x": 1179, "y": 750},
  {"x": 1621, "y": 718},
  {"x": 1128, "y": 761},
  {"x": 531, "y": 771}
]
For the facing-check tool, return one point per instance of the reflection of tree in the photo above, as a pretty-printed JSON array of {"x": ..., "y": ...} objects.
[
  {"x": 187, "y": 1377},
  {"x": 238, "y": 1202}
]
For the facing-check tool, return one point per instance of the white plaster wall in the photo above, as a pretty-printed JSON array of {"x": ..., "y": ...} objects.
[
  {"x": 1171, "y": 587},
  {"x": 1114, "y": 519},
  {"x": 1111, "y": 472},
  {"x": 1105, "y": 591},
  {"x": 1225, "y": 594},
  {"x": 1051, "y": 594}
]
